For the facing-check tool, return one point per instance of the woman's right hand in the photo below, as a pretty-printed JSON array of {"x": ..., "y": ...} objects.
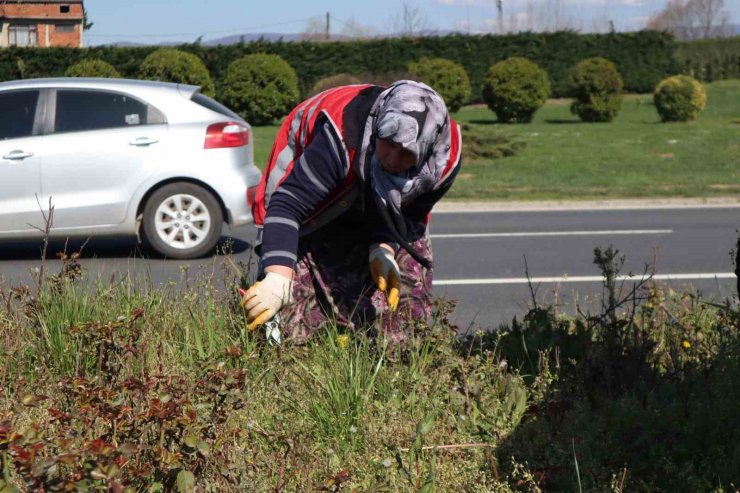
[{"x": 265, "y": 298}]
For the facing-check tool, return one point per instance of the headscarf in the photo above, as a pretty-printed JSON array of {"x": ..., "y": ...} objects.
[{"x": 413, "y": 115}]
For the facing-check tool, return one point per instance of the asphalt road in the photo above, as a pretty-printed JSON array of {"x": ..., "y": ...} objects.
[
  {"x": 686, "y": 248},
  {"x": 480, "y": 257}
]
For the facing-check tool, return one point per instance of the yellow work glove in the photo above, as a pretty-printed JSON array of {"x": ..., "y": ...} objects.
[
  {"x": 386, "y": 274},
  {"x": 265, "y": 298}
]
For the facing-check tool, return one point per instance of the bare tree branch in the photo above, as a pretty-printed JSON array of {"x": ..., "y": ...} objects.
[
  {"x": 411, "y": 21},
  {"x": 692, "y": 19}
]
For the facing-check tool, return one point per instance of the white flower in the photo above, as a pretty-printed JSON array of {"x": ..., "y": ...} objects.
[
  {"x": 388, "y": 462},
  {"x": 353, "y": 429},
  {"x": 673, "y": 141}
]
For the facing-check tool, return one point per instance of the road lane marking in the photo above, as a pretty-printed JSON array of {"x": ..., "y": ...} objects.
[
  {"x": 558, "y": 233},
  {"x": 567, "y": 279}
]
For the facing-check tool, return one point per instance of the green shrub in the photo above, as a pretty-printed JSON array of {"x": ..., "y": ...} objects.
[
  {"x": 597, "y": 88},
  {"x": 679, "y": 98},
  {"x": 92, "y": 68},
  {"x": 446, "y": 77},
  {"x": 261, "y": 87},
  {"x": 337, "y": 80},
  {"x": 171, "y": 65},
  {"x": 515, "y": 89}
]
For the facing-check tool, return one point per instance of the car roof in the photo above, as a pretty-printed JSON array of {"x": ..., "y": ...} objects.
[
  {"x": 100, "y": 83},
  {"x": 165, "y": 96}
]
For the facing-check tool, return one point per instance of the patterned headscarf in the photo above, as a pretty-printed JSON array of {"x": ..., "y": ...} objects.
[{"x": 413, "y": 115}]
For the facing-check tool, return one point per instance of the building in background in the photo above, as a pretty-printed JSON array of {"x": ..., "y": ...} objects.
[{"x": 42, "y": 24}]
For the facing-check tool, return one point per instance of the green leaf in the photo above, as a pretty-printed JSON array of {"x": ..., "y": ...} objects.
[
  {"x": 191, "y": 441},
  {"x": 185, "y": 482},
  {"x": 29, "y": 400},
  {"x": 425, "y": 425},
  {"x": 427, "y": 487},
  {"x": 204, "y": 449},
  {"x": 82, "y": 486}
]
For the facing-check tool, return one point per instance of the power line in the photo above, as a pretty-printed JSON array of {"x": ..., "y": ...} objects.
[
  {"x": 200, "y": 33},
  {"x": 334, "y": 17}
]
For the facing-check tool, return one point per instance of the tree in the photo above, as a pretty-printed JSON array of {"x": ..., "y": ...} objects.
[
  {"x": 411, "y": 21},
  {"x": 353, "y": 29},
  {"x": 711, "y": 17},
  {"x": 86, "y": 24},
  {"x": 692, "y": 19},
  {"x": 315, "y": 29}
]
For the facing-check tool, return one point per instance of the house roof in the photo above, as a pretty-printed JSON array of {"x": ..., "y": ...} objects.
[{"x": 41, "y": 1}]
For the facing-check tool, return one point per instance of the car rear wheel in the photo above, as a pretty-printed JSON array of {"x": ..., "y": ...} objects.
[{"x": 182, "y": 220}]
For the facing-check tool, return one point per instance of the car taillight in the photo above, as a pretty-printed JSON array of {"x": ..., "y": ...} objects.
[
  {"x": 251, "y": 192},
  {"x": 226, "y": 134}
]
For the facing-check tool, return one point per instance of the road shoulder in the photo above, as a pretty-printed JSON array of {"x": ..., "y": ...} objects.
[{"x": 459, "y": 206}]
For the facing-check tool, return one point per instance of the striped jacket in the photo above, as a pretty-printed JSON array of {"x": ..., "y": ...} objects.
[{"x": 311, "y": 176}]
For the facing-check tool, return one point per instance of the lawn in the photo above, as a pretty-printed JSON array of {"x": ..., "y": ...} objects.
[{"x": 559, "y": 157}]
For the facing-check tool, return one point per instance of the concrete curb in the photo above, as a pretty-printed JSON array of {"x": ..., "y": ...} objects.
[{"x": 457, "y": 207}]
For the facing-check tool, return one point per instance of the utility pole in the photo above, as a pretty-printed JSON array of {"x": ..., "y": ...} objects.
[
  {"x": 328, "y": 25},
  {"x": 500, "y": 8}
]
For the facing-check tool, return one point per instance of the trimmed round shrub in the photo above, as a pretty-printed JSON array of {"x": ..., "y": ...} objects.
[
  {"x": 597, "y": 88},
  {"x": 446, "y": 77},
  {"x": 92, "y": 67},
  {"x": 171, "y": 65},
  {"x": 515, "y": 89},
  {"x": 337, "y": 80},
  {"x": 261, "y": 88},
  {"x": 679, "y": 98}
]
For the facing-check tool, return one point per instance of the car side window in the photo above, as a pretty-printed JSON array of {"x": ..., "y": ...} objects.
[
  {"x": 80, "y": 110},
  {"x": 18, "y": 109}
]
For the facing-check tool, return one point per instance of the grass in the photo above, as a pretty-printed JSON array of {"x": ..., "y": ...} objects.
[
  {"x": 558, "y": 157},
  {"x": 119, "y": 385}
]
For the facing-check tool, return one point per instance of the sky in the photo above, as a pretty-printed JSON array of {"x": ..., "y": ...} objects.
[{"x": 156, "y": 21}]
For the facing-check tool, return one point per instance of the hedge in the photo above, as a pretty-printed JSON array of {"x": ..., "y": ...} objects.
[
  {"x": 643, "y": 58},
  {"x": 708, "y": 60}
]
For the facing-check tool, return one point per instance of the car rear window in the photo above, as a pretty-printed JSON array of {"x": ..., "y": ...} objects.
[
  {"x": 18, "y": 111},
  {"x": 79, "y": 110},
  {"x": 213, "y": 105}
]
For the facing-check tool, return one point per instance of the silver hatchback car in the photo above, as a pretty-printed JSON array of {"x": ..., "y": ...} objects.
[{"x": 120, "y": 157}]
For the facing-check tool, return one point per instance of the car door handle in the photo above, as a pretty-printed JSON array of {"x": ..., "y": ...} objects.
[
  {"x": 143, "y": 141},
  {"x": 17, "y": 155}
]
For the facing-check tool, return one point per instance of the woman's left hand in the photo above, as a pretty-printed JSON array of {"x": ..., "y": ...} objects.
[{"x": 385, "y": 272}]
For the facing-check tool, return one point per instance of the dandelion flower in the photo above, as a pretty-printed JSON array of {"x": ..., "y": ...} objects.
[
  {"x": 353, "y": 429},
  {"x": 686, "y": 344},
  {"x": 342, "y": 341}
]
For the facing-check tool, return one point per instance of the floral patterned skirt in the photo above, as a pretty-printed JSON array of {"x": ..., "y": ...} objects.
[{"x": 332, "y": 283}]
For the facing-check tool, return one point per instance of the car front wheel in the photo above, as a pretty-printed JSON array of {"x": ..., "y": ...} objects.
[{"x": 182, "y": 221}]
